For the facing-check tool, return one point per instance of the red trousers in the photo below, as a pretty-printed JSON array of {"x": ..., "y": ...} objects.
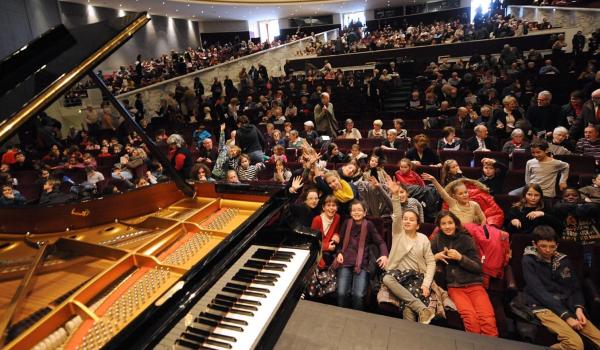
[{"x": 475, "y": 309}]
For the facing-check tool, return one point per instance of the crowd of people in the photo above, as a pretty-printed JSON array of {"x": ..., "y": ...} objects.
[
  {"x": 370, "y": 185},
  {"x": 147, "y": 71},
  {"x": 354, "y": 39}
]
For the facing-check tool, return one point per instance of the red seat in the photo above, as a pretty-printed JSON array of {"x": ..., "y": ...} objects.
[
  {"x": 501, "y": 157},
  {"x": 369, "y": 144},
  {"x": 291, "y": 154},
  {"x": 431, "y": 170},
  {"x": 344, "y": 144},
  {"x": 579, "y": 164},
  {"x": 513, "y": 180},
  {"x": 471, "y": 173},
  {"x": 393, "y": 156},
  {"x": 464, "y": 158},
  {"x": 519, "y": 160}
]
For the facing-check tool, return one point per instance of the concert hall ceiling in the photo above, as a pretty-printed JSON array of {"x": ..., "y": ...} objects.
[{"x": 215, "y": 10}]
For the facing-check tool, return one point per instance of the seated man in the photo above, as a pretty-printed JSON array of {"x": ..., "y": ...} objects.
[
  {"x": 481, "y": 141},
  {"x": 589, "y": 145},
  {"x": 553, "y": 292},
  {"x": 207, "y": 153}
]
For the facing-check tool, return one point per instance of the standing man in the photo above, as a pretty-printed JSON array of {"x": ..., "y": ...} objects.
[{"x": 325, "y": 117}]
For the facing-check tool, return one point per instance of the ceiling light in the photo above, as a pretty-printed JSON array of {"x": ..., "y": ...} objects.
[{"x": 120, "y": 5}]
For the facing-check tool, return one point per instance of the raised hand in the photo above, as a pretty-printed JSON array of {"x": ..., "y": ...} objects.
[
  {"x": 297, "y": 183},
  {"x": 428, "y": 177},
  {"x": 393, "y": 186}
]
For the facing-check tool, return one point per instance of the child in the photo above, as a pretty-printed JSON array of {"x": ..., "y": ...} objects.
[
  {"x": 410, "y": 251},
  {"x": 450, "y": 171},
  {"x": 281, "y": 174},
  {"x": 247, "y": 172},
  {"x": 579, "y": 218},
  {"x": 232, "y": 177},
  {"x": 529, "y": 212},
  {"x": 331, "y": 183},
  {"x": 356, "y": 155},
  {"x": 278, "y": 154},
  {"x": 375, "y": 169},
  {"x": 104, "y": 153},
  {"x": 409, "y": 203},
  {"x": 233, "y": 157},
  {"x": 466, "y": 210},
  {"x": 406, "y": 175},
  {"x": 553, "y": 291},
  {"x": 463, "y": 274},
  {"x": 353, "y": 256},
  {"x": 493, "y": 175},
  {"x": 591, "y": 194},
  {"x": 334, "y": 155},
  {"x": 543, "y": 170},
  {"x": 328, "y": 223}
]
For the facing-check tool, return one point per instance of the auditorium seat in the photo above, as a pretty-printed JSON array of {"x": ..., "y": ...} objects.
[
  {"x": 291, "y": 154},
  {"x": 344, "y": 144},
  {"x": 431, "y": 170},
  {"x": 513, "y": 180},
  {"x": 369, "y": 144},
  {"x": 501, "y": 157},
  {"x": 464, "y": 158},
  {"x": 579, "y": 164},
  {"x": 519, "y": 159},
  {"x": 506, "y": 201},
  {"x": 471, "y": 173},
  {"x": 393, "y": 156}
]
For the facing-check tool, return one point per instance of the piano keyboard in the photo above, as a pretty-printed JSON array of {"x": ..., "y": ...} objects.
[{"x": 234, "y": 313}]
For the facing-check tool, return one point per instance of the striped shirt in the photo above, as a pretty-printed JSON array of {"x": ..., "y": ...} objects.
[{"x": 249, "y": 174}]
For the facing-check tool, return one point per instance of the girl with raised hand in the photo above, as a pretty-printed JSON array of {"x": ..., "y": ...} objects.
[{"x": 458, "y": 201}]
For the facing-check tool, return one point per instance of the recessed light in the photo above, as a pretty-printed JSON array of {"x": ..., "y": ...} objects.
[{"x": 120, "y": 5}]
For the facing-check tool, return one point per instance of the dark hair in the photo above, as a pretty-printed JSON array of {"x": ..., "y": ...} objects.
[
  {"x": 541, "y": 144},
  {"x": 309, "y": 190},
  {"x": 521, "y": 203},
  {"x": 442, "y": 214},
  {"x": 446, "y": 131},
  {"x": 544, "y": 233},
  {"x": 357, "y": 202},
  {"x": 330, "y": 199},
  {"x": 242, "y": 119},
  {"x": 414, "y": 212}
]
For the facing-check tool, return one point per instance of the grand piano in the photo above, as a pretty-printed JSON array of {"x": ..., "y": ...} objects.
[{"x": 170, "y": 265}]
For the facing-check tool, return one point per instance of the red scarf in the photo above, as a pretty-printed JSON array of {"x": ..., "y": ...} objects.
[{"x": 317, "y": 224}]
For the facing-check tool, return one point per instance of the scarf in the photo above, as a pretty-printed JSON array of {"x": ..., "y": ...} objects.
[
  {"x": 344, "y": 194},
  {"x": 361, "y": 242},
  {"x": 328, "y": 229}
]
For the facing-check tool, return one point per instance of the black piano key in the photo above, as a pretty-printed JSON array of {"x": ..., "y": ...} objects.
[
  {"x": 247, "y": 287},
  {"x": 234, "y": 304},
  {"x": 206, "y": 330},
  {"x": 204, "y": 340},
  {"x": 263, "y": 265},
  {"x": 218, "y": 324},
  {"x": 243, "y": 291},
  {"x": 232, "y": 310},
  {"x": 252, "y": 280},
  {"x": 270, "y": 274},
  {"x": 222, "y": 318},
  {"x": 257, "y": 277},
  {"x": 263, "y": 251},
  {"x": 276, "y": 256},
  {"x": 240, "y": 300},
  {"x": 190, "y": 345}
]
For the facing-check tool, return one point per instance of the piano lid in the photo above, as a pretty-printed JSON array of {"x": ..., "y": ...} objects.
[{"x": 37, "y": 74}]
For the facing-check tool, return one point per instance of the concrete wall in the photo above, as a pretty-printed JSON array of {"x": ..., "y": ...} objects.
[
  {"x": 159, "y": 36},
  {"x": 223, "y": 26},
  {"x": 23, "y": 20},
  {"x": 586, "y": 18},
  {"x": 273, "y": 59}
]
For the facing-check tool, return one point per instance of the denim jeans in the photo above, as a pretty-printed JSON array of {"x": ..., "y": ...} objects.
[
  {"x": 256, "y": 156},
  {"x": 351, "y": 284}
]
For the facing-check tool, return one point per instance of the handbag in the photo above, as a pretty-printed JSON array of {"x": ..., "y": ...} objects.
[{"x": 322, "y": 283}]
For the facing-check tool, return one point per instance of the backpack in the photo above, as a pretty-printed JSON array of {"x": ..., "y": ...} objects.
[{"x": 494, "y": 249}]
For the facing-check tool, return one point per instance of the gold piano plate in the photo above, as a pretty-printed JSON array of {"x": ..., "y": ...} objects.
[{"x": 96, "y": 281}]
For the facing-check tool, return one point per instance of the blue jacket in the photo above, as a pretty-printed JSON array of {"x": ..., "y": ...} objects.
[{"x": 551, "y": 285}]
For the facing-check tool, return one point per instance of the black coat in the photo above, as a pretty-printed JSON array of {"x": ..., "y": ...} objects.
[
  {"x": 249, "y": 138},
  {"x": 472, "y": 144},
  {"x": 467, "y": 271}
]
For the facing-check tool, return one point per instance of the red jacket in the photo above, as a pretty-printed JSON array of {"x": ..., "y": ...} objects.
[
  {"x": 334, "y": 229},
  {"x": 411, "y": 178},
  {"x": 478, "y": 193}
]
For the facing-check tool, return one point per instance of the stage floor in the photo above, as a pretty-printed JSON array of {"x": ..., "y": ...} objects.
[{"x": 319, "y": 326}]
